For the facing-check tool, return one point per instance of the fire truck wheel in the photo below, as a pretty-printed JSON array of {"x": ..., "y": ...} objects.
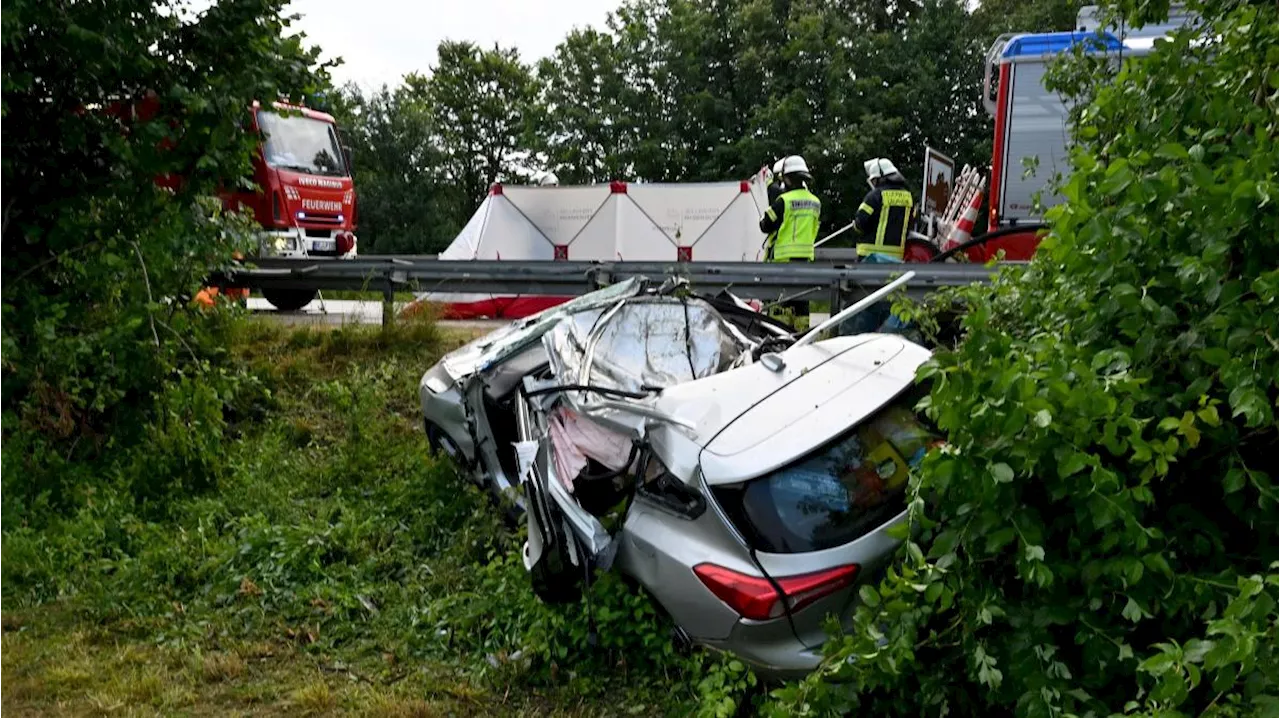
[{"x": 289, "y": 300}]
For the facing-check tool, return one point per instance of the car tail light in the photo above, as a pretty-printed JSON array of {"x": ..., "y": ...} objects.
[{"x": 756, "y": 598}]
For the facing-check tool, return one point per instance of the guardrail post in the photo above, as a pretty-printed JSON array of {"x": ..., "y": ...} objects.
[
  {"x": 388, "y": 302},
  {"x": 837, "y": 297}
]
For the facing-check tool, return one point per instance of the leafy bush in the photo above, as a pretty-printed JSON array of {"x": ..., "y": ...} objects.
[
  {"x": 101, "y": 352},
  {"x": 1100, "y": 535}
]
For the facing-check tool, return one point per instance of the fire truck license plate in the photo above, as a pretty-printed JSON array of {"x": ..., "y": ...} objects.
[{"x": 323, "y": 245}]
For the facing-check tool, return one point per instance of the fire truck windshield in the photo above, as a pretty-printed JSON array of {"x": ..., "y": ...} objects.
[{"x": 301, "y": 144}]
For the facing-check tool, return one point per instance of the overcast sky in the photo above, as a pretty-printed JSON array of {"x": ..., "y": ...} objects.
[{"x": 381, "y": 40}]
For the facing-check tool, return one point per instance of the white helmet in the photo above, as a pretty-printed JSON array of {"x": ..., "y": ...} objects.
[
  {"x": 549, "y": 179},
  {"x": 793, "y": 164},
  {"x": 777, "y": 168},
  {"x": 879, "y": 167}
]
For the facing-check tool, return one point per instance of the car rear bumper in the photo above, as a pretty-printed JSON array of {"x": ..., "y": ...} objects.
[{"x": 782, "y": 660}]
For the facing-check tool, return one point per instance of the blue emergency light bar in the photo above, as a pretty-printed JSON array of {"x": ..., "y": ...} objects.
[{"x": 1052, "y": 43}]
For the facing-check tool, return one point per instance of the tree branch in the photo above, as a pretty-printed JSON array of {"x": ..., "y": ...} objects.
[
  {"x": 8, "y": 215},
  {"x": 146, "y": 277},
  {"x": 54, "y": 258}
]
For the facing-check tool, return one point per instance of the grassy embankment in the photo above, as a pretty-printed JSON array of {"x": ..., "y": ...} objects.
[{"x": 338, "y": 567}]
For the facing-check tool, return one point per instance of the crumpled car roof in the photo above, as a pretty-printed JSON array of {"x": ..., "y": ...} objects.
[{"x": 644, "y": 343}]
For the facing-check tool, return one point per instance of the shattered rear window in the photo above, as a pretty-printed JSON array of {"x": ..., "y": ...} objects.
[{"x": 838, "y": 493}]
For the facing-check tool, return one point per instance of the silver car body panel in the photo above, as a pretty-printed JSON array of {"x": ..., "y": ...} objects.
[
  {"x": 659, "y": 548},
  {"x": 817, "y": 407},
  {"x": 869, "y": 553}
]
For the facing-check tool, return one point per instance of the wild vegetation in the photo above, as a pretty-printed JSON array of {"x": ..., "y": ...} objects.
[
  {"x": 339, "y": 566},
  {"x": 1100, "y": 536}
]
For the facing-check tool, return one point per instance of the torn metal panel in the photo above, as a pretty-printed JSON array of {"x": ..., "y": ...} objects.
[
  {"x": 497, "y": 346},
  {"x": 642, "y": 344}
]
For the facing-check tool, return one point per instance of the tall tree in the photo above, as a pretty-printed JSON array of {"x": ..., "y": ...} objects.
[
  {"x": 480, "y": 102},
  {"x": 648, "y": 106},
  {"x": 406, "y": 204},
  {"x": 1001, "y": 16},
  {"x": 580, "y": 115}
]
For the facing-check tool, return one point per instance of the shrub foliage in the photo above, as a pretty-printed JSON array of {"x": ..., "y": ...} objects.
[
  {"x": 1099, "y": 536},
  {"x": 99, "y": 344}
]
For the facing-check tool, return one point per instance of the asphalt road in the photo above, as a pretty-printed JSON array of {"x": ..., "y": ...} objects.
[{"x": 347, "y": 311}]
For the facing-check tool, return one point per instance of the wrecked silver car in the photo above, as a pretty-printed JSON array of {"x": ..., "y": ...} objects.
[{"x": 746, "y": 478}]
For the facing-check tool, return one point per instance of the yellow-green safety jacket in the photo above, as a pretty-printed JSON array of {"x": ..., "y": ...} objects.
[{"x": 792, "y": 223}]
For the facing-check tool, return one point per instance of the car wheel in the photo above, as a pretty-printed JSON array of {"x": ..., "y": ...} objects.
[{"x": 289, "y": 300}]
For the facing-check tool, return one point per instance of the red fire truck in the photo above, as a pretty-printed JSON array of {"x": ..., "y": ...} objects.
[
  {"x": 304, "y": 200},
  {"x": 302, "y": 196},
  {"x": 1031, "y": 122}
]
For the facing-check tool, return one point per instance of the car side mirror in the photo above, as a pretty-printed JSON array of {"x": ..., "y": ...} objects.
[{"x": 346, "y": 155}]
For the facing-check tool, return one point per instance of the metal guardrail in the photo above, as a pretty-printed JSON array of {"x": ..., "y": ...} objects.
[
  {"x": 822, "y": 254},
  {"x": 749, "y": 280}
]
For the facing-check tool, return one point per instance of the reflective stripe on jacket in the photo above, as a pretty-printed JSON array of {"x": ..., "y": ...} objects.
[
  {"x": 798, "y": 230},
  {"x": 886, "y": 210}
]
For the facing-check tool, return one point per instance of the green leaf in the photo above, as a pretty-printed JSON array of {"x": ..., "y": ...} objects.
[
  {"x": 1195, "y": 650},
  {"x": 1157, "y": 664},
  {"x": 1265, "y": 705},
  {"x": 869, "y": 595},
  {"x": 1132, "y": 611},
  {"x": 1070, "y": 464},
  {"x": 1172, "y": 151},
  {"x": 1249, "y": 402},
  {"x": 998, "y": 539},
  {"x": 1244, "y": 190},
  {"x": 1215, "y": 356},
  {"x": 1042, "y": 418},
  {"x": 1002, "y": 473},
  {"x": 913, "y": 550}
]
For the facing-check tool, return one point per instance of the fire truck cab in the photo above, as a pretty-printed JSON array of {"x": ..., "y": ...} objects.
[
  {"x": 1031, "y": 121},
  {"x": 304, "y": 198}
]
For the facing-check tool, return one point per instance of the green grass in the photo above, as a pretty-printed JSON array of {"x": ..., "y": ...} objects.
[{"x": 337, "y": 567}]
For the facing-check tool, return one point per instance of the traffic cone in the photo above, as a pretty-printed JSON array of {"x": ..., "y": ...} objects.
[{"x": 963, "y": 231}]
